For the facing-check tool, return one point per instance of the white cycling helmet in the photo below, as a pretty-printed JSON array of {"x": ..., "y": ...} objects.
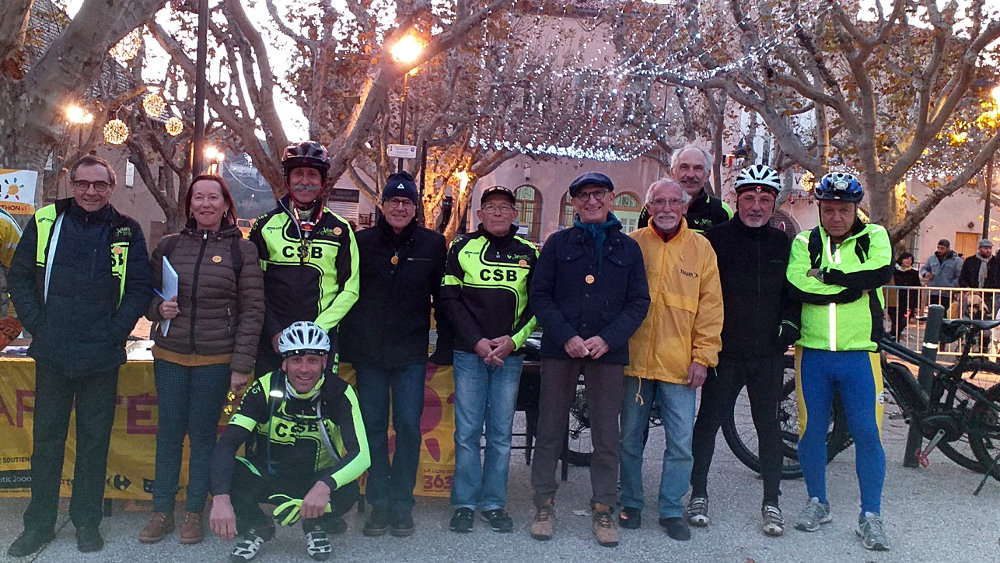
[
  {"x": 303, "y": 337},
  {"x": 758, "y": 176}
]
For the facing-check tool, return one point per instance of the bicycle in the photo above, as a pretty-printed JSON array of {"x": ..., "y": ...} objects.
[{"x": 958, "y": 417}]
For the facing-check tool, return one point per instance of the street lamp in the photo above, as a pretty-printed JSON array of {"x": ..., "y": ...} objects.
[
  {"x": 405, "y": 51},
  {"x": 79, "y": 117},
  {"x": 995, "y": 94},
  {"x": 214, "y": 157}
]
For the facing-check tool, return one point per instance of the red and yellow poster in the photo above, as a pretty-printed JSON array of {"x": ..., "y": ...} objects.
[
  {"x": 17, "y": 191},
  {"x": 133, "y": 437}
]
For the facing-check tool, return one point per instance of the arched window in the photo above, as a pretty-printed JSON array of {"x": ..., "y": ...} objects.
[
  {"x": 627, "y": 208},
  {"x": 529, "y": 211},
  {"x": 566, "y": 217}
]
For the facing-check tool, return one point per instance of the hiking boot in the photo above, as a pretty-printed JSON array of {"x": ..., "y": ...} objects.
[
  {"x": 462, "y": 520},
  {"x": 499, "y": 520},
  {"x": 676, "y": 528},
  {"x": 248, "y": 545},
  {"x": 812, "y": 515},
  {"x": 771, "y": 521},
  {"x": 88, "y": 539},
  {"x": 377, "y": 524},
  {"x": 872, "y": 532},
  {"x": 604, "y": 526},
  {"x": 318, "y": 545},
  {"x": 697, "y": 511},
  {"x": 29, "y": 542},
  {"x": 630, "y": 518},
  {"x": 160, "y": 524},
  {"x": 192, "y": 530},
  {"x": 545, "y": 519},
  {"x": 402, "y": 525}
]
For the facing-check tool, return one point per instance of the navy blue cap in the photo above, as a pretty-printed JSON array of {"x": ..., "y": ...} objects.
[
  {"x": 591, "y": 179},
  {"x": 400, "y": 184}
]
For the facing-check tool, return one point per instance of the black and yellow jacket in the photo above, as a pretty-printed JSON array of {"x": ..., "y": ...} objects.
[
  {"x": 485, "y": 287},
  {"x": 305, "y": 279}
]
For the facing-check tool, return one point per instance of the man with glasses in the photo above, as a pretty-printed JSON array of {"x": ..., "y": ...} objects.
[
  {"x": 670, "y": 354},
  {"x": 691, "y": 166},
  {"x": 80, "y": 280},
  {"x": 485, "y": 296},
  {"x": 590, "y": 294},
  {"x": 752, "y": 258},
  {"x": 385, "y": 337}
]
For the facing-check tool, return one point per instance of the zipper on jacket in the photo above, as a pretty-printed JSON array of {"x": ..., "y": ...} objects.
[{"x": 194, "y": 290}]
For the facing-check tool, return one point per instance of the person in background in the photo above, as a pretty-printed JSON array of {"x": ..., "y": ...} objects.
[
  {"x": 942, "y": 269},
  {"x": 10, "y": 235},
  {"x": 903, "y": 303},
  {"x": 80, "y": 280},
  {"x": 385, "y": 337},
  {"x": 208, "y": 350}
]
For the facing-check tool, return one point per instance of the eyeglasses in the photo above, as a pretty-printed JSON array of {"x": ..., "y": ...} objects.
[
  {"x": 664, "y": 202},
  {"x": 597, "y": 195},
  {"x": 762, "y": 200},
  {"x": 491, "y": 208},
  {"x": 400, "y": 202},
  {"x": 83, "y": 186}
]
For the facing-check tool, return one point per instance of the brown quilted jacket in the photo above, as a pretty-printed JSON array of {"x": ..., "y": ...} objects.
[{"x": 218, "y": 314}]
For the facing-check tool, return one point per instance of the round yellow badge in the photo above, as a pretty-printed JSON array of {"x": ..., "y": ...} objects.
[
  {"x": 589, "y": 279},
  {"x": 337, "y": 231},
  {"x": 394, "y": 260},
  {"x": 522, "y": 263},
  {"x": 217, "y": 259}
]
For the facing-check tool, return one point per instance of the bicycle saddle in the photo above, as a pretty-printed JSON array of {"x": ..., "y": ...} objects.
[{"x": 953, "y": 329}]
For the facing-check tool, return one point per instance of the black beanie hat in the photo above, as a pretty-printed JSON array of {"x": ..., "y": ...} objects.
[{"x": 400, "y": 184}]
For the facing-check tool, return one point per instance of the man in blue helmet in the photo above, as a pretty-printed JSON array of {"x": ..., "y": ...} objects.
[
  {"x": 835, "y": 271},
  {"x": 305, "y": 447}
]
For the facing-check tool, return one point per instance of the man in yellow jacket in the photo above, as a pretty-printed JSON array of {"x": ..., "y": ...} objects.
[{"x": 670, "y": 353}]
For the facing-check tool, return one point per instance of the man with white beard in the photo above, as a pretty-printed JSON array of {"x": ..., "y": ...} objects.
[{"x": 752, "y": 258}]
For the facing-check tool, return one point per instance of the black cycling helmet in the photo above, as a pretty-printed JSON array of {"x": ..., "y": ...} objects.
[
  {"x": 839, "y": 186},
  {"x": 758, "y": 176},
  {"x": 309, "y": 154}
]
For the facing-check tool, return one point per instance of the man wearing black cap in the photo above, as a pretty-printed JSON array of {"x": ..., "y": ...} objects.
[
  {"x": 307, "y": 252},
  {"x": 942, "y": 269},
  {"x": 589, "y": 292},
  {"x": 385, "y": 337},
  {"x": 752, "y": 258},
  {"x": 485, "y": 296}
]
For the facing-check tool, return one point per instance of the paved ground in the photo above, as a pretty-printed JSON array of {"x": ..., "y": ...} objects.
[{"x": 930, "y": 513}]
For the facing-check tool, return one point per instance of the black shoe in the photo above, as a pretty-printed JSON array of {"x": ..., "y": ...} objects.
[
  {"x": 29, "y": 542},
  {"x": 630, "y": 518},
  {"x": 676, "y": 528},
  {"x": 462, "y": 520},
  {"x": 377, "y": 524},
  {"x": 89, "y": 540},
  {"x": 499, "y": 520},
  {"x": 402, "y": 525}
]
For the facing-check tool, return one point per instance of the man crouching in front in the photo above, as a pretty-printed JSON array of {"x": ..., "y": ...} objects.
[{"x": 306, "y": 448}]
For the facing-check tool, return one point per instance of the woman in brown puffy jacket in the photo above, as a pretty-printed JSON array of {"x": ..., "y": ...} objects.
[{"x": 208, "y": 349}]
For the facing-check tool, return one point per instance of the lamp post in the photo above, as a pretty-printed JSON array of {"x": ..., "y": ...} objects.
[
  {"x": 214, "y": 157},
  {"x": 405, "y": 51},
  {"x": 995, "y": 94},
  {"x": 79, "y": 117}
]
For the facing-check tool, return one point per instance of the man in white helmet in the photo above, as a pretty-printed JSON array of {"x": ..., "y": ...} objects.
[{"x": 305, "y": 449}]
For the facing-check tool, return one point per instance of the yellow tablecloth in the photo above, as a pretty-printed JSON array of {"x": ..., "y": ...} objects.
[{"x": 133, "y": 438}]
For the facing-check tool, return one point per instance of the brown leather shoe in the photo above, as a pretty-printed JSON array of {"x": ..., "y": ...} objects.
[
  {"x": 541, "y": 526},
  {"x": 604, "y": 526},
  {"x": 160, "y": 524},
  {"x": 192, "y": 530}
]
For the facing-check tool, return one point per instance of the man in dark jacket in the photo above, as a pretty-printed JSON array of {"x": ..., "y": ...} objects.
[
  {"x": 80, "y": 280},
  {"x": 385, "y": 337},
  {"x": 589, "y": 293},
  {"x": 691, "y": 166},
  {"x": 752, "y": 258}
]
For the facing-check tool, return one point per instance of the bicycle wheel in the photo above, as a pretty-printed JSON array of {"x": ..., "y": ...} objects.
[
  {"x": 741, "y": 435},
  {"x": 579, "y": 446},
  {"x": 984, "y": 430}
]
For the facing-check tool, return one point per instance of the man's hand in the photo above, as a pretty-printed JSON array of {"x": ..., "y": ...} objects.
[
  {"x": 596, "y": 346},
  {"x": 168, "y": 309},
  {"x": 576, "y": 348},
  {"x": 696, "y": 375},
  {"x": 222, "y": 519},
  {"x": 316, "y": 501},
  {"x": 502, "y": 347},
  {"x": 483, "y": 348},
  {"x": 237, "y": 380}
]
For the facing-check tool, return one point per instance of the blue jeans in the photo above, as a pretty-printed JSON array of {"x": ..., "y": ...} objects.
[
  {"x": 390, "y": 484},
  {"x": 190, "y": 402},
  {"x": 677, "y": 409},
  {"x": 483, "y": 394}
]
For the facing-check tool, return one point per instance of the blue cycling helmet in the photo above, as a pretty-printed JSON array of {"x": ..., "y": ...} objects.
[{"x": 839, "y": 186}]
